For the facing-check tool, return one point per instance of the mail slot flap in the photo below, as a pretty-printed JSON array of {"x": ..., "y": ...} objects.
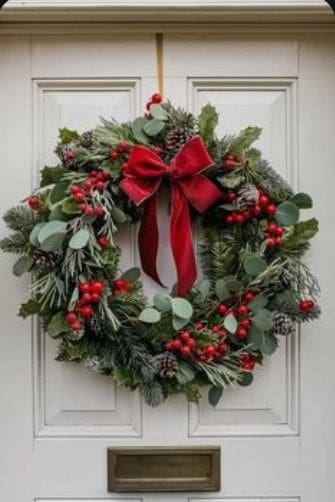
[{"x": 164, "y": 469}]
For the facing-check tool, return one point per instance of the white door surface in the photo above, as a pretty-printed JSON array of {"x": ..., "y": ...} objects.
[{"x": 56, "y": 421}]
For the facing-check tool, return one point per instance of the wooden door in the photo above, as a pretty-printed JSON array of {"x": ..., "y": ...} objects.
[{"x": 57, "y": 420}]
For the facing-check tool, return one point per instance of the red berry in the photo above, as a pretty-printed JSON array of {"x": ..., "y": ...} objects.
[
  {"x": 272, "y": 228},
  {"x": 168, "y": 345},
  {"x": 242, "y": 309},
  {"x": 231, "y": 196},
  {"x": 222, "y": 309},
  {"x": 256, "y": 210},
  {"x": 76, "y": 326},
  {"x": 247, "y": 215},
  {"x": 185, "y": 351},
  {"x": 247, "y": 362},
  {"x": 223, "y": 348},
  {"x": 86, "y": 311},
  {"x": 71, "y": 317},
  {"x": 191, "y": 343},
  {"x": 75, "y": 188},
  {"x": 124, "y": 165},
  {"x": 230, "y": 219},
  {"x": 279, "y": 231},
  {"x": 34, "y": 202},
  {"x": 120, "y": 286},
  {"x": 306, "y": 305},
  {"x": 184, "y": 336},
  {"x": 82, "y": 207},
  {"x": 99, "y": 211},
  {"x": 86, "y": 298},
  {"x": 278, "y": 241},
  {"x": 156, "y": 98},
  {"x": 69, "y": 155},
  {"x": 222, "y": 333},
  {"x": 271, "y": 209},
  {"x": 245, "y": 323},
  {"x": 89, "y": 210},
  {"x": 270, "y": 242},
  {"x": 248, "y": 296},
  {"x": 242, "y": 333},
  {"x": 88, "y": 185},
  {"x": 113, "y": 155},
  {"x": 100, "y": 185},
  {"x": 210, "y": 350},
  {"x": 239, "y": 218},
  {"x": 95, "y": 298},
  {"x": 215, "y": 328},
  {"x": 199, "y": 325},
  {"x": 123, "y": 147},
  {"x": 263, "y": 200},
  {"x": 97, "y": 287},
  {"x": 78, "y": 196},
  {"x": 176, "y": 344},
  {"x": 103, "y": 241},
  {"x": 85, "y": 287}
]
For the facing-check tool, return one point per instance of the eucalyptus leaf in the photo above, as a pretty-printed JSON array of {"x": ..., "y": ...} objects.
[
  {"x": 233, "y": 284},
  {"x": 56, "y": 214},
  {"x": 263, "y": 320},
  {"x": 204, "y": 287},
  {"x": 214, "y": 395},
  {"x": 246, "y": 379},
  {"x": 162, "y": 302},
  {"x": 287, "y": 214},
  {"x": 150, "y": 315},
  {"x": 22, "y": 265},
  {"x": 182, "y": 308},
  {"x": 51, "y": 228},
  {"x": 118, "y": 215},
  {"x": 137, "y": 129},
  {"x": 255, "y": 337},
  {"x": 230, "y": 323},
  {"x": 269, "y": 345},
  {"x": 178, "y": 323},
  {"x": 254, "y": 264},
  {"x": 34, "y": 233},
  {"x": 132, "y": 274},
  {"x": 259, "y": 302},
  {"x": 53, "y": 242},
  {"x": 184, "y": 374},
  {"x": 221, "y": 290},
  {"x": 158, "y": 112},
  {"x": 154, "y": 127},
  {"x": 80, "y": 239},
  {"x": 302, "y": 200}
]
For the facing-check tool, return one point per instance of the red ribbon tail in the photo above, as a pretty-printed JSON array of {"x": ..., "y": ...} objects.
[
  {"x": 148, "y": 239},
  {"x": 182, "y": 241}
]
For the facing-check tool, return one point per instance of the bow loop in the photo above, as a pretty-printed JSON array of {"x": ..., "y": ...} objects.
[{"x": 143, "y": 175}]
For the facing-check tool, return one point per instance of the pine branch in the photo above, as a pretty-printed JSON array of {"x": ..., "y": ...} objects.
[
  {"x": 20, "y": 218},
  {"x": 15, "y": 243}
]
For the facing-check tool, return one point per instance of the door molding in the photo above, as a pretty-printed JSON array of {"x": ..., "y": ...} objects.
[{"x": 167, "y": 11}]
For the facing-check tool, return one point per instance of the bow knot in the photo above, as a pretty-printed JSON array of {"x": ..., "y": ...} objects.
[{"x": 143, "y": 176}]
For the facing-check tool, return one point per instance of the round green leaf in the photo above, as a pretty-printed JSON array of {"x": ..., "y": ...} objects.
[
  {"x": 57, "y": 325},
  {"x": 214, "y": 395},
  {"x": 22, "y": 266},
  {"x": 263, "y": 320},
  {"x": 34, "y": 233},
  {"x": 255, "y": 337},
  {"x": 221, "y": 289},
  {"x": 246, "y": 379},
  {"x": 56, "y": 213},
  {"x": 259, "y": 302},
  {"x": 158, "y": 112},
  {"x": 287, "y": 214},
  {"x": 302, "y": 200},
  {"x": 178, "y": 323},
  {"x": 182, "y": 308},
  {"x": 79, "y": 240},
  {"x": 132, "y": 274},
  {"x": 150, "y": 315},
  {"x": 269, "y": 344},
  {"x": 204, "y": 287},
  {"x": 70, "y": 206},
  {"x": 51, "y": 228},
  {"x": 137, "y": 129},
  {"x": 162, "y": 302},
  {"x": 118, "y": 215},
  {"x": 52, "y": 242},
  {"x": 230, "y": 323},
  {"x": 154, "y": 127},
  {"x": 254, "y": 264}
]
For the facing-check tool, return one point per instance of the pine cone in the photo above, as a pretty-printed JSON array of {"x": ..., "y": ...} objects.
[
  {"x": 247, "y": 197},
  {"x": 86, "y": 139},
  {"x": 282, "y": 324},
  {"x": 176, "y": 138},
  {"x": 44, "y": 260},
  {"x": 93, "y": 364},
  {"x": 167, "y": 364},
  {"x": 76, "y": 335}
]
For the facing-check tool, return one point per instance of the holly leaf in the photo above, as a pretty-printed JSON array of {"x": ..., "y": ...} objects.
[
  {"x": 287, "y": 214},
  {"x": 214, "y": 395},
  {"x": 57, "y": 325},
  {"x": 67, "y": 135},
  {"x": 69, "y": 206},
  {"x": 150, "y": 315},
  {"x": 51, "y": 175},
  {"x": 302, "y": 200},
  {"x": 231, "y": 180},
  {"x": 59, "y": 191},
  {"x": 244, "y": 140},
  {"x": 31, "y": 307},
  {"x": 301, "y": 233},
  {"x": 207, "y": 122}
]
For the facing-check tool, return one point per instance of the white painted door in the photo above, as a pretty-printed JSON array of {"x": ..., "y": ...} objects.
[{"x": 277, "y": 437}]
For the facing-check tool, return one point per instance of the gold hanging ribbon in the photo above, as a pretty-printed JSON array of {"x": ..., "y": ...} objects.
[{"x": 160, "y": 62}]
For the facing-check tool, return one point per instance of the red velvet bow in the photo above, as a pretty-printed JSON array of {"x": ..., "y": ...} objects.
[{"x": 142, "y": 177}]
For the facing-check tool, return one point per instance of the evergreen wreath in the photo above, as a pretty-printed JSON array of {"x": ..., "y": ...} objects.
[{"x": 255, "y": 289}]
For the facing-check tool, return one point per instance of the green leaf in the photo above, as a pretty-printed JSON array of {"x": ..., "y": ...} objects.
[
  {"x": 118, "y": 215},
  {"x": 51, "y": 175},
  {"x": 287, "y": 214},
  {"x": 301, "y": 233},
  {"x": 182, "y": 308},
  {"x": 214, "y": 395},
  {"x": 57, "y": 325},
  {"x": 80, "y": 239},
  {"x": 22, "y": 266},
  {"x": 207, "y": 122},
  {"x": 262, "y": 320},
  {"x": 302, "y": 200},
  {"x": 67, "y": 135},
  {"x": 162, "y": 302},
  {"x": 255, "y": 337},
  {"x": 56, "y": 213},
  {"x": 34, "y": 234},
  {"x": 254, "y": 264},
  {"x": 264, "y": 342},
  {"x": 244, "y": 140},
  {"x": 31, "y": 307},
  {"x": 132, "y": 274},
  {"x": 204, "y": 287},
  {"x": 158, "y": 112},
  {"x": 74, "y": 298},
  {"x": 233, "y": 284},
  {"x": 231, "y": 180},
  {"x": 269, "y": 345},
  {"x": 53, "y": 242},
  {"x": 178, "y": 323},
  {"x": 150, "y": 315},
  {"x": 51, "y": 228},
  {"x": 221, "y": 290},
  {"x": 230, "y": 323},
  {"x": 70, "y": 206},
  {"x": 58, "y": 193},
  {"x": 246, "y": 379},
  {"x": 184, "y": 374},
  {"x": 259, "y": 302},
  {"x": 138, "y": 132},
  {"x": 154, "y": 127}
]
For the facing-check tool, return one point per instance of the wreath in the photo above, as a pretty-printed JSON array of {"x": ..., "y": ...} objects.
[{"x": 255, "y": 287}]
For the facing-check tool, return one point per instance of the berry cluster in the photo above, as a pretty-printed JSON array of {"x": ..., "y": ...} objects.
[
  {"x": 188, "y": 346},
  {"x": 274, "y": 235},
  {"x": 121, "y": 286},
  {"x": 80, "y": 193},
  {"x": 264, "y": 205},
  {"x": 156, "y": 99},
  {"x": 306, "y": 305},
  {"x": 120, "y": 153},
  {"x": 247, "y": 362},
  {"x": 90, "y": 293},
  {"x": 241, "y": 313}
]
